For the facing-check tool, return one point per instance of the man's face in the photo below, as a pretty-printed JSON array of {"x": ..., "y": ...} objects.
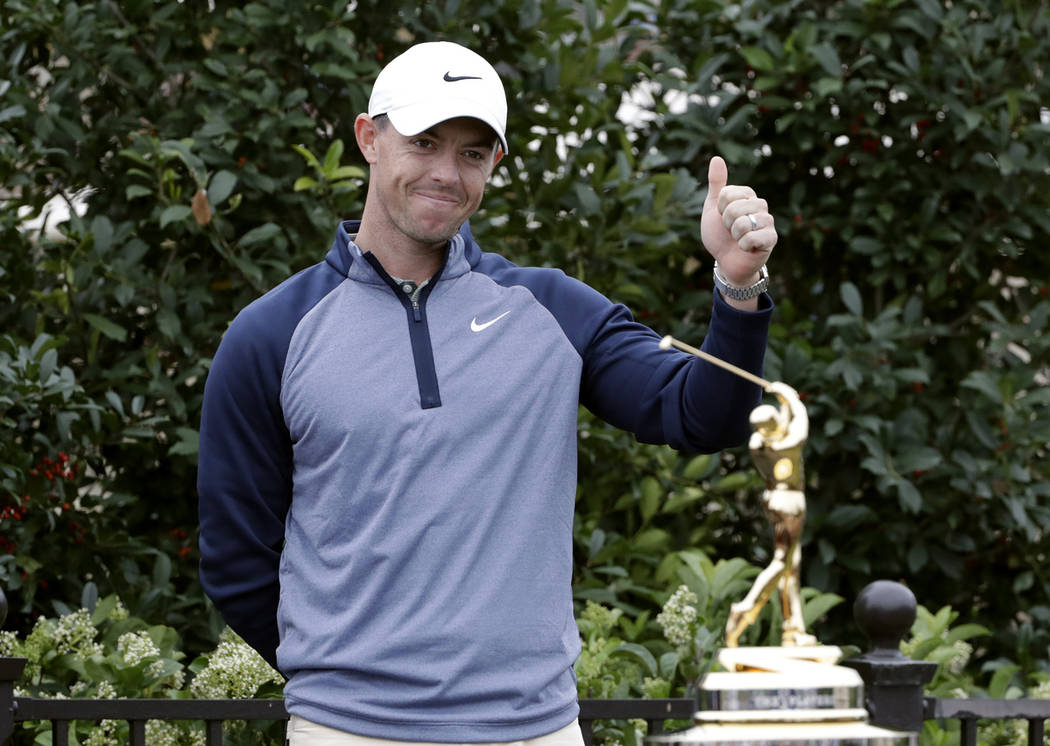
[{"x": 429, "y": 184}]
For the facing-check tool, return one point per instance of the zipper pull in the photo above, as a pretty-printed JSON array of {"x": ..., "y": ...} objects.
[{"x": 416, "y": 314}]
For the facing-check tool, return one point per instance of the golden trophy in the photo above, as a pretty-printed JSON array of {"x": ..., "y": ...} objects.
[
  {"x": 794, "y": 693},
  {"x": 776, "y": 448}
]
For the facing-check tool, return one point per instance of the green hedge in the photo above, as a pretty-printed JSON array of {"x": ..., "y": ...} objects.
[{"x": 901, "y": 145}]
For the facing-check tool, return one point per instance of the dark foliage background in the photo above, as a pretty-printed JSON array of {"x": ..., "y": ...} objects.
[{"x": 901, "y": 145}]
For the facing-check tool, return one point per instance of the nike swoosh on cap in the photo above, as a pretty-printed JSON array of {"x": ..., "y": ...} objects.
[
  {"x": 450, "y": 78},
  {"x": 476, "y": 327}
]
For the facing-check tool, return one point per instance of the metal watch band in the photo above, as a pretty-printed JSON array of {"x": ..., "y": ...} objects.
[{"x": 742, "y": 293}]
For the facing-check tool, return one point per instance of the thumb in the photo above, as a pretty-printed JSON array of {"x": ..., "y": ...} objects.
[{"x": 717, "y": 176}]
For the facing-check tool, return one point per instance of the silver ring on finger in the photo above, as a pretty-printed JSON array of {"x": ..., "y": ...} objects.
[{"x": 754, "y": 223}]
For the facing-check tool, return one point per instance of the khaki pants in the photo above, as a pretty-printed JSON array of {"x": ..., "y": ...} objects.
[{"x": 305, "y": 733}]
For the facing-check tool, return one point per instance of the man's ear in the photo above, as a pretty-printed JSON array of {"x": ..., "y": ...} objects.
[{"x": 366, "y": 132}]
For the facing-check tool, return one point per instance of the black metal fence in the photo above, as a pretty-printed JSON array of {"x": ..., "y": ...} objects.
[
  {"x": 893, "y": 693},
  {"x": 213, "y": 712}
]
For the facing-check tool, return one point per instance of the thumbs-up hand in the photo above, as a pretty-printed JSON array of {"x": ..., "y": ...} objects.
[{"x": 736, "y": 227}]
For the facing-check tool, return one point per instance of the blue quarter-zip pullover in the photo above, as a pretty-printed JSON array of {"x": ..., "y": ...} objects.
[{"x": 387, "y": 487}]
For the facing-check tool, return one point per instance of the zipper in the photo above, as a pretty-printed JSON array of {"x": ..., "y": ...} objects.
[{"x": 418, "y": 333}]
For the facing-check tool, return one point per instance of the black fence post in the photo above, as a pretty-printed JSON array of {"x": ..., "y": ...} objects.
[
  {"x": 10, "y": 672},
  {"x": 893, "y": 684}
]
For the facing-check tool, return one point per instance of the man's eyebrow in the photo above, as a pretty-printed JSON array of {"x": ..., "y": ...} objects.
[{"x": 481, "y": 143}]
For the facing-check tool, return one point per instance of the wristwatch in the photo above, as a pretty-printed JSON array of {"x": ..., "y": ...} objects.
[{"x": 736, "y": 292}]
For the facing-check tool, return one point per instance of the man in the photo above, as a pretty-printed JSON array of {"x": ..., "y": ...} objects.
[{"x": 388, "y": 443}]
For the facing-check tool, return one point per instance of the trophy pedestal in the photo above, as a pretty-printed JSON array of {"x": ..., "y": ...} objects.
[{"x": 783, "y": 696}]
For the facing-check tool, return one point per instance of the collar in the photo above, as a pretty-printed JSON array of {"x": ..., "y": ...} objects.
[{"x": 346, "y": 256}]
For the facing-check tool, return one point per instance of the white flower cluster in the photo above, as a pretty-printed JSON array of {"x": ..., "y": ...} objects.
[
  {"x": 234, "y": 671},
  {"x": 119, "y": 612},
  {"x": 655, "y": 687},
  {"x": 106, "y": 733},
  {"x": 174, "y": 680},
  {"x": 678, "y": 616},
  {"x": 74, "y": 634},
  {"x": 103, "y": 690},
  {"x": 963, "y": 651},
  {"x": 135, "y": 647},
  {"x": 173, "y": 733},
  {"x": 8, "y": 643}
]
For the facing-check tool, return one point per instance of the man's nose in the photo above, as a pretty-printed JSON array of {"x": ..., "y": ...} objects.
[{"x": 446, "y": 167}]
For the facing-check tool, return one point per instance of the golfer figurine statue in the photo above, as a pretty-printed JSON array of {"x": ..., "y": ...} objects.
[{"x": 776, "y": 449}]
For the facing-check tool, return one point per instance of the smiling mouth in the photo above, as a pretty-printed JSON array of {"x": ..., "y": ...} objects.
[{"x": 444, "y": 199}]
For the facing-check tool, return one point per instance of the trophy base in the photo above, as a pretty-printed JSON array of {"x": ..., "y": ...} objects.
[
  {"x": 785, "y": 734},
  {"x": 783, "y": 696}
]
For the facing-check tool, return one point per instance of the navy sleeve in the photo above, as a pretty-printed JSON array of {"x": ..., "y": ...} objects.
[
  {"x": 667, "y": 396},
  {"x": 662, "y": 396},
  {"x": 244, "y": 477}
]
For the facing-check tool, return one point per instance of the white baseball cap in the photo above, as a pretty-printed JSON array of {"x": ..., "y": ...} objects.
[{"x": 435, "y": 81}]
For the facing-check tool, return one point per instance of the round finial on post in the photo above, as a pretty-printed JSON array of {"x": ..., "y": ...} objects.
[{"x": 884, "y": 611}]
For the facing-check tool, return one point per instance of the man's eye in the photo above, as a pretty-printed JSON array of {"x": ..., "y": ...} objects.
[
  {"x": 474, "y": 155},
  {"x": 422, "y": 142}
]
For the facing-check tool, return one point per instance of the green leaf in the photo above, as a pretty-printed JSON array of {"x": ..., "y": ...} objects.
[
  {"x": 917, "y": 557},
  {"x": 48, "y": 362},
  {"x": 697, "y": 467},
  {"x": 1001, "y": 679},
  {"x": 596, "y": 542},
  {"x": 221, "y": 187},
  {"x": 174, "y": 214},
  {"x": 816, "y": 607},
  {"x": 89, "y": 596},
  {"x": 735, "y": 481},
  {"x": 115, "y": 401},
  {"x": 650, "y": 503},
  {"x": 828, "y": 58},
  {"x": 650, "y": 539},
  {"x": 109, "y": 328},
  {"x": 303, "y": 183},
  {"x": 332, "y": 158},
  {"x": 310, "y": 158},
  {"x": 918, "y": 458},
  {"x": 64, "y": 424},
  {"x": 642, "y": 654},
  {"x": 347, "y": 172},
  {"x": 729, "y": 575},
  {"x": 12, "y": 112},
  {"x": 161, "y": 570},
  {"x": 909, "y": 496},
  {"x": 102, "y": 231},
  {"x": 825, "y": 87},
  {"x": 849, "y": 517},
  {"x": 985, "y": 382},
  {"x": 851, "y": 298},
  {"x": 188, "y": 444},
  {"x": 215, "y": 66},
  {"x": 966, "y": 632},
  {"x": 260, "y": 234},
  {"x": 133, "y": 191},
  {"x": 758, "y": 58},
  {"x": 103, "y": 609}
]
